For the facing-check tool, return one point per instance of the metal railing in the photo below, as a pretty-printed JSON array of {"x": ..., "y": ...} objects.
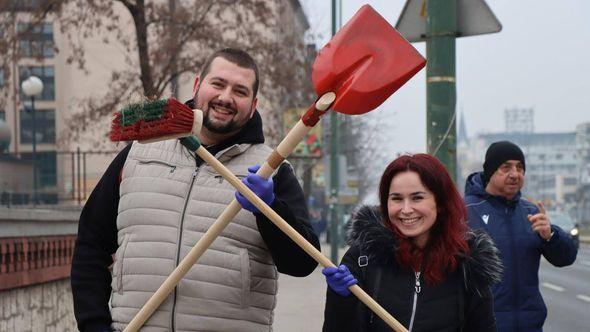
[
  {"x": 35, "y": 259},
  {"x": 66, "y": 177}
]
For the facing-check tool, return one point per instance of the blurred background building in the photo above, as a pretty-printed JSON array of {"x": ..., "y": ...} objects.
[
  {"x": 557, "y": 171},
  {"x": 68, "y": 169}
]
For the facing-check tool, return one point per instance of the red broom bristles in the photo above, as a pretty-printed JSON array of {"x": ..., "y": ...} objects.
[{"x": 175, "y": 118}]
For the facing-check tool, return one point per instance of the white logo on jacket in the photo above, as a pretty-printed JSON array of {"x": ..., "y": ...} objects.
[{"x": 485, "y": 218}]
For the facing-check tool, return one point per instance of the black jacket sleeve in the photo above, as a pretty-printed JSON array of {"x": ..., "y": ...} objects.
[
  {"x": 346, "y": 314},
  {"x": 479, "y": 311},
  {"x": 290, "y": 204},
  {"x": 96, "y": 242}
]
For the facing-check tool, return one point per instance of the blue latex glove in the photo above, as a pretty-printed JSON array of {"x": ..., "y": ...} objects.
[
  {"x": 262, "y": 187},
  {"x": 339, "y": 279}
]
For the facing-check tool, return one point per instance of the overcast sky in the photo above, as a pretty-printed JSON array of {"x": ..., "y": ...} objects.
[{"x": 540, "y": 59}]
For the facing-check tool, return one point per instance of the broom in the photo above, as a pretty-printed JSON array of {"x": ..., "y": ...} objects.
[
  {"x": 186, "y": 125},
  {"x": 147, "y": 121}
]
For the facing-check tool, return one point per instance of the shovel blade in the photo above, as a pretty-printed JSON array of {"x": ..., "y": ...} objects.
[{"x": 364, "y": 63}]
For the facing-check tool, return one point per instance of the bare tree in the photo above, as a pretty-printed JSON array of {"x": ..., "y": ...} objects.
[
  {"x": 368, "y": 148},
  {"x": 163, "y": 40}
]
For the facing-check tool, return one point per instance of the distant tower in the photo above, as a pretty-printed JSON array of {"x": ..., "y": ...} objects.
[
  {"x": 462, "y": 130},
  {"x": 462, "y": 152},
  {"x": 519, "y": 120}
]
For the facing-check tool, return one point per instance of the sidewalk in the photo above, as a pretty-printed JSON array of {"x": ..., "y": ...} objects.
[{"x": 300, "y": 301}]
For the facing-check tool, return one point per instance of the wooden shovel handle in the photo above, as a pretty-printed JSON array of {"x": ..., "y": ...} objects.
[{"x": 283, "y": 150}]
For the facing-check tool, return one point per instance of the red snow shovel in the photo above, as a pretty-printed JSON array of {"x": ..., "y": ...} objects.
[{"x": 363, "y": 64}]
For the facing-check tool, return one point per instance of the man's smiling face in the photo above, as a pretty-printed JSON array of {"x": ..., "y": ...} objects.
[{"x": 226, "y": 97}]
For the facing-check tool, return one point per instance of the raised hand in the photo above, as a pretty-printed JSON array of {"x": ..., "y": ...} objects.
[
  {"x": 540, "y": 223},
  {"x": 262, "y": 187}
]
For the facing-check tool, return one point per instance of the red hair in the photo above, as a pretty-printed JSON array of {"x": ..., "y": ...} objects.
[{"x": 448, "y": 234}]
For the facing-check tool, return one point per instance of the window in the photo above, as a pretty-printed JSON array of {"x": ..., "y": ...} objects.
[
  {"x": 22, "y": 5},
  {"x": 2, "y": 115},
  {"x": 44, "y": 126},
  {"x": 46, "y": 167},
  {"x": 570, "y": 181},
  {"x": 36, "y": 40},
  {"x": 1, "y": 77},
  {"x": 46, "y": 74}
]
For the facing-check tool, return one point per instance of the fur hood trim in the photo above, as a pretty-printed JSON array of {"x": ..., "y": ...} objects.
[
  {"x": 366, "y": 231},
  {"x": 483, "y": 265}
]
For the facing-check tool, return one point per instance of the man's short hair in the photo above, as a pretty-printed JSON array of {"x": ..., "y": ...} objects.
[{"x": 239, "y": 57}]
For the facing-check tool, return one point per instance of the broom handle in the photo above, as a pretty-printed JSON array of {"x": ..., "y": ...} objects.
[{"x": 290, "y": 141}]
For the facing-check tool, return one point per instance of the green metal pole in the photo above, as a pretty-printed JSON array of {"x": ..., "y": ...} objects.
[
  {"x": 334, "y": 181},
  {"x": 441, "y": 31}
]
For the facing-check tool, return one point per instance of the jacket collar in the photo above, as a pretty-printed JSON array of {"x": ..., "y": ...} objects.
[
  {"x": 368, "y": 233},
  {"x": 474, "y": 186}
]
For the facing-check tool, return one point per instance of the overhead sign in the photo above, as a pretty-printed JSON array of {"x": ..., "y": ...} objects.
[{"x": 474, "y": 18}]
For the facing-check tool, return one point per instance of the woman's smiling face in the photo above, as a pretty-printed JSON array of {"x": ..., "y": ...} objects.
[{"x": 411, "y": 207}]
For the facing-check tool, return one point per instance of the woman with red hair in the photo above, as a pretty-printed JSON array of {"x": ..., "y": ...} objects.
[{"x": 415, "y": 256}]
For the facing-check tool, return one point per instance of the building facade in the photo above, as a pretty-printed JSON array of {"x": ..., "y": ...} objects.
[
  {"x": 70, "y": 169},
  {"x": 582, "y": 211},
  {"x": 552, "y": 163}
]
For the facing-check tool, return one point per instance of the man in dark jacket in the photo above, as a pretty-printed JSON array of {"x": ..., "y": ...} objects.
[
  {"x": 156, "y": 200},
  {"x": 522, "y": 233}
]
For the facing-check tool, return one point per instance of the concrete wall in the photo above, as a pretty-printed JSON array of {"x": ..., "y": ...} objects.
[
  {"x": 36, "y": 304},
  {"x": 17, "y": 222},
  {"x": 44, "y": 307}
]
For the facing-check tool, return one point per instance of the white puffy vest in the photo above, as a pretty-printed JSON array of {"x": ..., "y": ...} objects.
[{"x": 166, "y": 205}]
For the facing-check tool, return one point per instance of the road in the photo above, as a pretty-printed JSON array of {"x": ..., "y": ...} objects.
[{"x": 566, "y": 292}]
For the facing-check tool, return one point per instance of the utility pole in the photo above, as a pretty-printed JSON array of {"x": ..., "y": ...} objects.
[
  {"x": 441, "y": 94},
  {"x": 334, "y": 171},
  {"x": 439, "y": 23}
]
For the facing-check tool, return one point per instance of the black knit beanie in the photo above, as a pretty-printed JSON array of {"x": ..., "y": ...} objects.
[{"x": 497, "y": 154}]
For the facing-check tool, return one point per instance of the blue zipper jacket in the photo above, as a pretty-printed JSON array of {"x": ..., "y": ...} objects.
[{"x": 518, "y": 304}]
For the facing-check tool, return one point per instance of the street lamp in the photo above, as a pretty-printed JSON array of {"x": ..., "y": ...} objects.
[{"x": 32, "y": 87}]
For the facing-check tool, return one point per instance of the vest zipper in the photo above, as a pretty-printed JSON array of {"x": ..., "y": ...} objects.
[
  {"x": 188, "y": 194},
  {"x": 417, "y": 289}
]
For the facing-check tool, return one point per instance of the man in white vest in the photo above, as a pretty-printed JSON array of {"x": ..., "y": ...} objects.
[{"x": 155, "y": 201}]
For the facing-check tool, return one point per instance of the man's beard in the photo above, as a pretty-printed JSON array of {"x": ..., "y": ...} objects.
[{"x": 219, "y": 128}]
